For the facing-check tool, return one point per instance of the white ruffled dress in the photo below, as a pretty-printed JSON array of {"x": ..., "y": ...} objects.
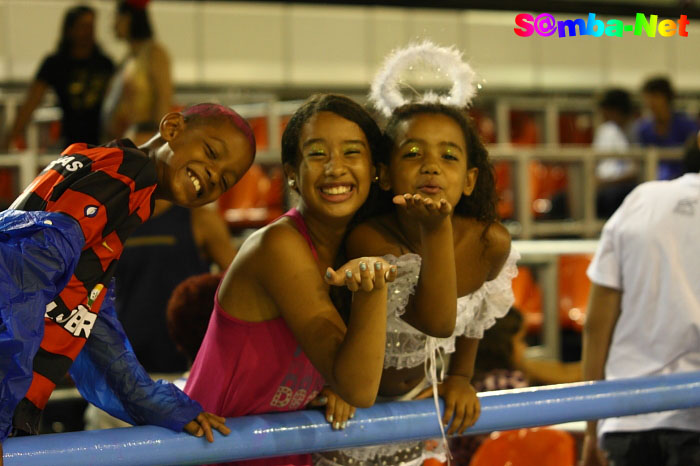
[{"x": 407, "y": 347}]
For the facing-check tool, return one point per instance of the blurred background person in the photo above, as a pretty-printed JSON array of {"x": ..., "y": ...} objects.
[
  {"x": 664, "y": 127},
  {"x": 185, "y": 242},
  {"x": 78, "y": 72},
  {"x": 142, "y": 90},
  {"x": 643, "y": 319},
  {"x": 616, "y": 177},
  {"x": 613, "y": 134}
]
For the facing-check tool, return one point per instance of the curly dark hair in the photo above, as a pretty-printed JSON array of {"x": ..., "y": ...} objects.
[
  {"x": 481, "y": 204},
  {"x": 188, "y": 312}
]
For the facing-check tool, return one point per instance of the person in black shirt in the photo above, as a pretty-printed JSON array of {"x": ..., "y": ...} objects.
[{"x": 78, "y": 72}]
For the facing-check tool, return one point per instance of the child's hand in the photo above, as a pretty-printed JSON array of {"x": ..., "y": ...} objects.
[
  {"x": 460, "y": 401},
  {"x": 337, "y": 410},
  {"x": 423, "y": 209},
  {"x": 365, "y": 273},
  {"x": 202, "y": 424}
]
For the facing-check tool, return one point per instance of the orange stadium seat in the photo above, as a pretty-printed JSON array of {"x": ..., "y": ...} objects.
[
  {"x": 574, "y": 287},
  {"x": 575, "y": 128},
  {"x": 259, "y": 126},
  {"x": 528, "y": 299},
  {"x": 433, "y": 462},
  {"x": 546, "y": 180},
  {"x": 255, "y": 200},
  {"x": 503, "y": 172},
  {"x": 523, "y": 128},
  {"x": 527, "y": 447}
]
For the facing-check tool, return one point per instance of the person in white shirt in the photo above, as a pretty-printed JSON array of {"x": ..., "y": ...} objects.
[
  {"x": 616, "y": 177},
  {"x": 616, "y": 109},
  {"x": 644, "y": 319}
]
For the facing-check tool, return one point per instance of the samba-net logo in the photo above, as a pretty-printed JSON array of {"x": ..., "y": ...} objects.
[{"x": 546, "y": 25}]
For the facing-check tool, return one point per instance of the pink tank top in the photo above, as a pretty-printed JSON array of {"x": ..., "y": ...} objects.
[{"x": 254, "y": 367}]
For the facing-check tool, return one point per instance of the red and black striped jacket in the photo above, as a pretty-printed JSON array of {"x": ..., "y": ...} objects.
[{"x": 108, "y": 190}]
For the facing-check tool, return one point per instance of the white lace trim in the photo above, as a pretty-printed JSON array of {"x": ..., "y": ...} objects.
[
  {"x": 401, "y": 289},
  {"x": 476, "y": 312}
]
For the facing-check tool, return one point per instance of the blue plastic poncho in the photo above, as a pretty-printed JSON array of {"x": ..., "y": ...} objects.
[
  {"x": 38, "y": 252},
  {"x": 108, "y": 375}
]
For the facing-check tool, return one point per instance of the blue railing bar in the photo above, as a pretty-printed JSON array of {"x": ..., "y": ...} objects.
[{"x": 305, "y": 431}]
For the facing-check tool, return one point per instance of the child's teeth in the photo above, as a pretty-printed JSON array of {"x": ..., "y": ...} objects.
[
  {"x": 195, "y": 182},
  {"x": 337, "y": 190}
]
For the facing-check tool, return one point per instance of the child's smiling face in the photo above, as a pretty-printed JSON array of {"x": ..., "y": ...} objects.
[
  {"x": 335, "y": 165},
  {"x": 201, "y": 161},
  {"x": 429, "y": 157}
]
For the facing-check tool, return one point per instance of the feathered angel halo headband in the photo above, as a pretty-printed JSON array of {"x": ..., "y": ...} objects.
[{"x": 385, "y": 93}]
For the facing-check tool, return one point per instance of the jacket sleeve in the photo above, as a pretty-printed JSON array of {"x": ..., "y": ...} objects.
[
  {"x": 108, "y": 375},
  {"x": 38, "y": 253}
]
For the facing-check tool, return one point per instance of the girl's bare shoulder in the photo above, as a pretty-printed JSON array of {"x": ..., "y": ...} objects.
[
  {"x": 375, "y": 237},
  {"x": 273, "y": 244},
  {"x": 251, "y": 287},
  {"x": 490, "y": 239}
]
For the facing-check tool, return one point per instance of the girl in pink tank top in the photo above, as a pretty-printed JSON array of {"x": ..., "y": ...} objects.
[{"x": 275, "y": 335}]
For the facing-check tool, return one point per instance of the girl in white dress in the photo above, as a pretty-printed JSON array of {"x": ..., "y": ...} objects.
[{"x": 437, "y": 223}]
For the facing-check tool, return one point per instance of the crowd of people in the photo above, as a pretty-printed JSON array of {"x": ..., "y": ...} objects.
[{"x": 660, "y": 126}]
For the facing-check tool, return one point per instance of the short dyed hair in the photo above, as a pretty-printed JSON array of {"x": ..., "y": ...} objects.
[
  {"x": 340, "y": 105},
  {"x": 481, "y": 204},
  {"x": 188, "y": 312},
  {"x": 208, "y": 112}
]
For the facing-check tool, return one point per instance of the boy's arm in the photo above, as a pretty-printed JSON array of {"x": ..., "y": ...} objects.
[{"x": 108, "y": 375}]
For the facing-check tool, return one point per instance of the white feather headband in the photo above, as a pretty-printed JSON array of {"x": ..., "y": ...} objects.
[{"x": 386, "y": 95}]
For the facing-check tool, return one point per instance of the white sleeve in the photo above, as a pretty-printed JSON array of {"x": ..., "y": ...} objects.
[
  {"x": 478, "y": 311},
  {"x": 609, "y": 137},
  {"x": 605, "y": 268}
]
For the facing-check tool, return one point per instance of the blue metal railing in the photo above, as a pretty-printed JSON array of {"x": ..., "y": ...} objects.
[{"x": 306, "y": 431}]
